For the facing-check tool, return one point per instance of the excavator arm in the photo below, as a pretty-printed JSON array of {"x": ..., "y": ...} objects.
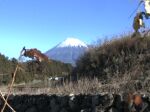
[{"x": 33, "y": 53}]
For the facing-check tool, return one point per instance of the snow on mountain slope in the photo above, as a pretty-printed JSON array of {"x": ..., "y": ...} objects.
[
  {"x": 72, "y": 42},
  {"x": 68, "y": 51}
]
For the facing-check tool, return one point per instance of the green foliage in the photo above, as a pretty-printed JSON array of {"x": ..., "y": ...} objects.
[
  {"x": 40, "y": 70},
  {"x": 4, "y": 64},
  {"x": 31, "y": 70}
]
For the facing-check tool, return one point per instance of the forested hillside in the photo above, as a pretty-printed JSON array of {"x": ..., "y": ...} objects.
[{"x": 31, "y": 70}]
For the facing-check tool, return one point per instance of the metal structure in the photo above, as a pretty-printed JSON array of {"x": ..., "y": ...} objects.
[{"x": 34, "y": 54}]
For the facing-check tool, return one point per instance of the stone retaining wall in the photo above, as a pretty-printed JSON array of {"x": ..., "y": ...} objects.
[{"x": 72, "y": 103}]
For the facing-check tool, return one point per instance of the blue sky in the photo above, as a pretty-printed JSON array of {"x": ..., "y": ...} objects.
[{"x": 42, "y": 24}]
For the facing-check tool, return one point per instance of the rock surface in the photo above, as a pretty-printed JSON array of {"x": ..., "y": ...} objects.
[{"x": 77, "y": 103}]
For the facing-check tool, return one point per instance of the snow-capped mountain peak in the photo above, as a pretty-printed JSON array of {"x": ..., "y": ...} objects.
[
  {"x": 72, "y": 42},
  {"x": 68, "y": 51}
]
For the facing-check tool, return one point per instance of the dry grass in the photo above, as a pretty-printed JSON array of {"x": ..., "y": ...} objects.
[
  {"x": 83, "y": 86},
  {"x": 87, "y": 86}
]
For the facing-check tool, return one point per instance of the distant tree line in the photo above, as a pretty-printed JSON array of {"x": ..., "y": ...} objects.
[{"x": 31, "y": 70}]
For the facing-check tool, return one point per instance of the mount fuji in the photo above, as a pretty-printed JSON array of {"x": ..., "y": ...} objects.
[{"x": 68, "y": 51}]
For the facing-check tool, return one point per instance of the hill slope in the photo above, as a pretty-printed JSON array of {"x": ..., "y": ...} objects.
[{"x": 123, "y": 60}]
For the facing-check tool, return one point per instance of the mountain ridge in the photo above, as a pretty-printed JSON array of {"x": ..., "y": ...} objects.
[{"x": 67, "y": 51}]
